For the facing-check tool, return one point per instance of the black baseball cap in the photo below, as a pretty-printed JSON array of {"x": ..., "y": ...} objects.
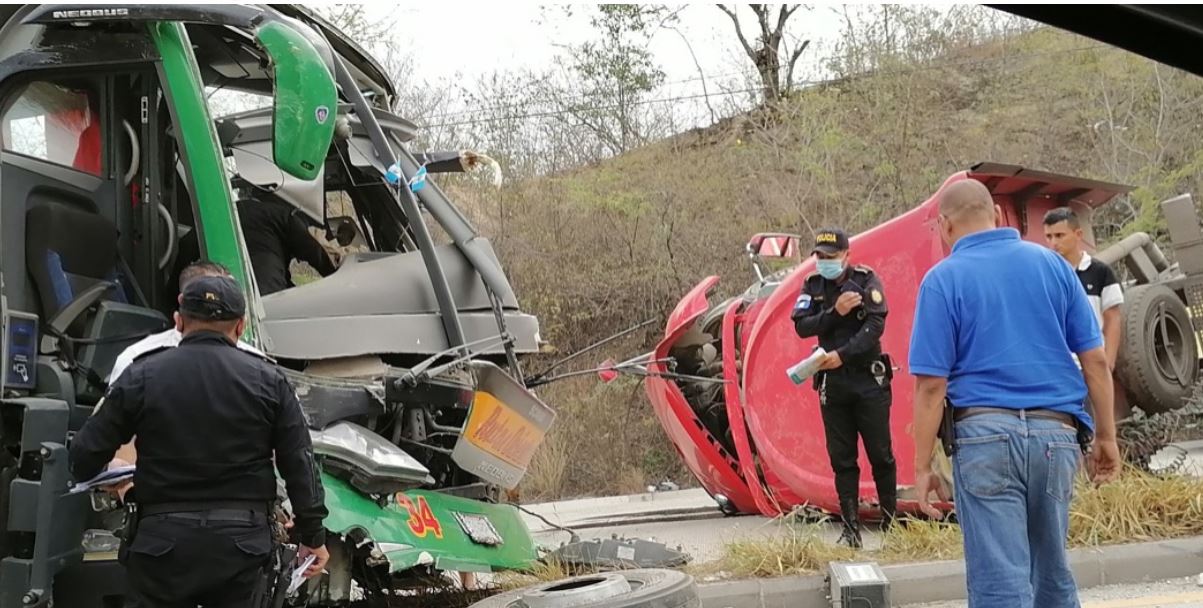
[
  {"x": 830, "y": 240},
  {"x": 214, "y": 299}
]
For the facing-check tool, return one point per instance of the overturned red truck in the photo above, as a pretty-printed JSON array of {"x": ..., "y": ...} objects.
[{"x": 755, "y": 441}]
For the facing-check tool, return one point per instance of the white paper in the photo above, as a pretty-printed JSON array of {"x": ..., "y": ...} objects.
[
  {"x": 104, "y": 478},
  {"x": 298, "y": 575}
]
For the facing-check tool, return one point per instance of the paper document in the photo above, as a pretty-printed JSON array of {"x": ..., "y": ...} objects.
[
  {"x": 298, "y": 575},
  {"x": 105, "y": 478},
  {"x": 807, "y": 367}
]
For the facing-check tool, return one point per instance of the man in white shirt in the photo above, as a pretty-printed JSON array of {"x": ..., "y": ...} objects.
[
  {"x": 171, "y": 337},
  {"x": 1063, "y": 231},
  {"x": 126, "y": 454}
]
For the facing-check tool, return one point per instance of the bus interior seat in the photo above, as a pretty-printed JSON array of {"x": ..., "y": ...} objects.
[{"x": 73, "y": 258}]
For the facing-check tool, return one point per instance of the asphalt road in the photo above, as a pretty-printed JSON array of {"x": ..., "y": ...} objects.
[
  {"x": 1180, "y": 593},
  {"x": 688, "y": 519}
]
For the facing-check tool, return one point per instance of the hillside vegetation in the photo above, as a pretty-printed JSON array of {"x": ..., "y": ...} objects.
[{"x": 597, "y": 249}]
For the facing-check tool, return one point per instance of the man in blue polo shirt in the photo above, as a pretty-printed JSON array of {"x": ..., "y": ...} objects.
[{"x": 996, "y": 327}]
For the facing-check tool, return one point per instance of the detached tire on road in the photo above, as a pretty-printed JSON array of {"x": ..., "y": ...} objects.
[
  {"x": 1158, "y": 361},
  {"x": 647, "y": 588}
]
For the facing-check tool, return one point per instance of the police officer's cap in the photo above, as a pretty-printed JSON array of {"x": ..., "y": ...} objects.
[
  {"x": 830, "y": 241},
  {"x": 213, "y": 299}
]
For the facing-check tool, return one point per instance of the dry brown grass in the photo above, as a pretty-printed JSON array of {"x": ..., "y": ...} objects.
[
  {"x": 542, "y": 572},
  {"x": 605, "y": 441},
  {"x": 1139, "y": 506},
  {"x": 798, "y": 548},
  {"x": 922, "y": 540},
  {"x": 632, "y": 480},
  {"x": 548, "y": 469}
]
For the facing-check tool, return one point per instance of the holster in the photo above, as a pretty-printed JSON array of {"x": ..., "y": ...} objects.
[
  {"x": 129, "y": 524},
  {"x": 1085, "y": 436},
  {"x": 274, "y": 586},
  {"x": 127, "y": 532},
  {"x": 947, "y": 434}
]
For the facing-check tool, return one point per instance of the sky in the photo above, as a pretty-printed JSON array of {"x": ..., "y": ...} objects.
[
  {"x": 450, "y": 38},
  {"x": 450, "y": 41}
]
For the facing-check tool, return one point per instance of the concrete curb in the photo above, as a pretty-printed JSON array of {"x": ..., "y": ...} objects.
[
  {"x": 611, "y": 511},
  {"x": 944, "y": 581},
  {"x": 667, "y": 517},
  {"x": 691, "y": 495}
]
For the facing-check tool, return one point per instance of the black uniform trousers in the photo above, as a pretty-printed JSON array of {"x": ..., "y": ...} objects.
[
  {"x": 184, "y": 561},
  {"x": 853, "y": 403}
]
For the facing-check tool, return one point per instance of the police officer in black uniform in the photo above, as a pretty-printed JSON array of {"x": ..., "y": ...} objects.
[
  {"x": 845, "y": 307},
  {"x": 210, "y": 419},
  {"x": 276, "y": 234}
]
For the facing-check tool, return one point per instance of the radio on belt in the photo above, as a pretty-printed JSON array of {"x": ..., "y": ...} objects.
[
  {"x": 857, "y": 585},
  {"x": 20, "y": 350}
]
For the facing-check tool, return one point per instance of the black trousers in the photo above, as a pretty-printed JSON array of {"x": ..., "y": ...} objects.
[
  {"x": 174, "y": 562},
  {"x": 854, "y": 404}
]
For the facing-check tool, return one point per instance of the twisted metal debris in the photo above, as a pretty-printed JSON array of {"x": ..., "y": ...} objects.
[{"x": 1142, "y": 435}]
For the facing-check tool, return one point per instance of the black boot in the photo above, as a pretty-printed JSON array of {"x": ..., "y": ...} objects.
[
  {"x": 851, "y": 534},
  {"x": 889, "y": 510}
]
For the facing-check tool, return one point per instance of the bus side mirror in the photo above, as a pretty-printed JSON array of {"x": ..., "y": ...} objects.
[{"x": 305, "y": 100}]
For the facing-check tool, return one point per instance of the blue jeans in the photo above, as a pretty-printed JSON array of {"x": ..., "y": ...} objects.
[{"x": 1014, "y": 481}]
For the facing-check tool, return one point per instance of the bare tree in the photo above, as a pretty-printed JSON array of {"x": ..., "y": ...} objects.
[
  {"x": 774, "y": 62},
  {"x": 352, "y": 19}
]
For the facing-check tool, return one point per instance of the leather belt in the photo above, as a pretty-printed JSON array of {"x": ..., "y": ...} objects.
[
  {"x": 864, "y": 369},
  {"x": 202, "y": 511},
  {"x": 250, "y": 517},
  {"x": 961, "y": 413}
]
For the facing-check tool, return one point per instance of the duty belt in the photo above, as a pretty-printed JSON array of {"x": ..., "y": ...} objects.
[
  {"x": 876, "y": 367},
  {"x": 962, "y": 413},
  {"x": 208, "y": 511}
]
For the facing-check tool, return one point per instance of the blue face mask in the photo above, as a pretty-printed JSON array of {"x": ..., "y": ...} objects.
[{"x": 830, "y": 269}]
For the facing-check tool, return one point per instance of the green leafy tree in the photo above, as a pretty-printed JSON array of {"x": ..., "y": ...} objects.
[{"x": 605, "y": 82}]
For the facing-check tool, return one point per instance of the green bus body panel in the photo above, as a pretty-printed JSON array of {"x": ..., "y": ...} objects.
[
  {"x": 201, "y": 152},
  {"x": 409, "y": 539},
  {"x": 304, "y": 99},
  {"x": 395, "y": 525}
]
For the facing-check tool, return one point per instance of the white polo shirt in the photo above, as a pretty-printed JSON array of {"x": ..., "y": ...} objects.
[{"x": 169, "y": 338}]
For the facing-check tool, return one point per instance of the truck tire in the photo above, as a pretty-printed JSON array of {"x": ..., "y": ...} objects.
[
  {"x": 646, "y": 588},
  {"x": 1158, "y": 362}
]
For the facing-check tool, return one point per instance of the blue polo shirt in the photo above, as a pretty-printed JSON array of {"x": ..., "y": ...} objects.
[{"x": 999, "y": 318}]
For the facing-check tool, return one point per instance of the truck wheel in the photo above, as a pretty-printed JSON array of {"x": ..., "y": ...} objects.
[
  {"x": 647, "y": 588},
  {"x": 1158, "y": 361}
]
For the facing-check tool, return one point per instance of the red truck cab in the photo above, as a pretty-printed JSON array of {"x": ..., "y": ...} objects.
[{"x": 757, "y": 445}]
